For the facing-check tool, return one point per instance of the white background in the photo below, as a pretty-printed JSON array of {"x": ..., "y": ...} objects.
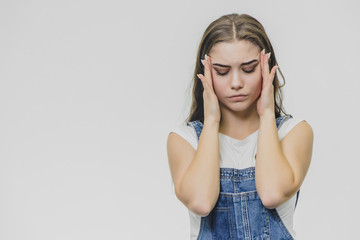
[{"x": 89, "y": 91}]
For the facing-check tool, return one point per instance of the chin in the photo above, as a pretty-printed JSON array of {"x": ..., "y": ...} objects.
[{"x": 239, "y": 106}]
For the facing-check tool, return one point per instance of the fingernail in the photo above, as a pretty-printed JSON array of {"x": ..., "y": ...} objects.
[
  {"x": 263, "y": 51},
  {"x": 198, "y": 76},
  {"x": 202, "y": 62},
  {"x": 269, "y": 55},
  {"x": 205, "y": 57}
]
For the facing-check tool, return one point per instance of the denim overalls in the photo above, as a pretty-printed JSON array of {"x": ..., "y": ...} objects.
[{"x": 239, "y": 212}]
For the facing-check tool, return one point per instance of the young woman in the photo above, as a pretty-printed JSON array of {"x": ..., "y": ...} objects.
[{"x": 239, "y": 161}]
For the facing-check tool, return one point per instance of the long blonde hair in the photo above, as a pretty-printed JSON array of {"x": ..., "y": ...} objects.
[{"x": 227, "y": 29}]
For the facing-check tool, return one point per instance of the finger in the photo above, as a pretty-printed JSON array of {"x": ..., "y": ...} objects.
[
  {"x": 263, "y": 64},
  {"x": 265, "y": 74},
  {"x": 207, "y": 70},
  {"x": 266, "y": 61},
  {"x": 202, "y": 77},
  {"x": 261, "y": 61},
  {"x": 272, "y": 73},
  {"x": 203, "y": 81}
]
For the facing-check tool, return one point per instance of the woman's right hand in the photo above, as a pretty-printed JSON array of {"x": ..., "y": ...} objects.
[{"x": 211, "y": 102}]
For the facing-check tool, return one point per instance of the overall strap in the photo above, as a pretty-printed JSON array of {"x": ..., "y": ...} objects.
[
  {"x": 297, "y": 197},
  {"x": 198, "y": 126},
  {"x": 281, "y": 120}
]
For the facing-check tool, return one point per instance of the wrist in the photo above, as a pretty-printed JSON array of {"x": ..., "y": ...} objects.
[
  {"x": 268, "y": 114},
  {"x": 211, "y": 123}
]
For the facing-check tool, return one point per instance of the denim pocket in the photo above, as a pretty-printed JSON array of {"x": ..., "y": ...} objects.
[
  {"x": 220, "y": 223},
  {"x": 258, "y": 218},
  {"x": 220, "y": 219}
]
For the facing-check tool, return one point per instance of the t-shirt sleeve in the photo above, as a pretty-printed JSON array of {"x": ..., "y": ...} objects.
[
  {"x": 188, "y": 133},
  {"x": 288, "y": 125}
]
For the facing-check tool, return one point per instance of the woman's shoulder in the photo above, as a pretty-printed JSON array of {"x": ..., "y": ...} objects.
[
  {"x": 290, "y": 122},
  {"x": 187, "y": 132}
]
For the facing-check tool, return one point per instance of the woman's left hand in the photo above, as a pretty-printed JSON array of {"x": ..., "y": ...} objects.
[{"x": 266, "y": 100}]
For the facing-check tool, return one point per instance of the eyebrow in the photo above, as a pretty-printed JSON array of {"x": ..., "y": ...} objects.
[{"x": 227, "y": 66}]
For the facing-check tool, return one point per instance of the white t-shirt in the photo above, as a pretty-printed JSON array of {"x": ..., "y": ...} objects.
[{"x": 239, "y": 154}]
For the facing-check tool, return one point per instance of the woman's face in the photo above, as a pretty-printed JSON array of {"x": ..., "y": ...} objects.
[{"x": 236, "y": 70}]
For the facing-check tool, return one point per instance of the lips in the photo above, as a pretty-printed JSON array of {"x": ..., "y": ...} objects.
[{"x": 239, "y": 95}]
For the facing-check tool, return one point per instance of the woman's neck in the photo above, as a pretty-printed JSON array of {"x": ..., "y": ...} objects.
[{"x": 239, "y": 125}]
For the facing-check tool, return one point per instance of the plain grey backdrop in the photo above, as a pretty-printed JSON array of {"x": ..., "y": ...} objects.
[{"x": 89, "y": 91}]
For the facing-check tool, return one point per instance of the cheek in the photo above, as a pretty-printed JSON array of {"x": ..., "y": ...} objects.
[
  {"x": 258, "y": 86},
  {"x": 219, "y": 83},
  {"x": 216, "y": 82},
  {"x": 255, "y": 83}
]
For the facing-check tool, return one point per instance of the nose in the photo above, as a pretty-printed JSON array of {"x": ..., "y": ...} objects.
[{"x": 236, "y": 81}]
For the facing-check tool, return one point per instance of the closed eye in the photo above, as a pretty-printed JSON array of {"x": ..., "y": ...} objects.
[
  {"x": 224, "y": 73},
  {"x": 221, "y": 74},
  {"x": 249, "y": 71}
]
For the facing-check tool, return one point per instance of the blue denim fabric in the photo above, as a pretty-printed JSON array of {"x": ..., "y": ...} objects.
[{"x": 239, "y": 212}]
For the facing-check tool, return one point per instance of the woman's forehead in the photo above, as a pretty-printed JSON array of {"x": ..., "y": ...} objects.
[{"x": 234, "y": 52}]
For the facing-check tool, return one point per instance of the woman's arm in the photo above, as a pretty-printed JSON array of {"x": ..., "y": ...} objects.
[
  {"x": 197, "y": 180},
  {"x": 281, "y": 166}
]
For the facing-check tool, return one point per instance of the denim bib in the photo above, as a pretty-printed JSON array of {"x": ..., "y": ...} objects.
[{"x": 239, "y": 213}]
